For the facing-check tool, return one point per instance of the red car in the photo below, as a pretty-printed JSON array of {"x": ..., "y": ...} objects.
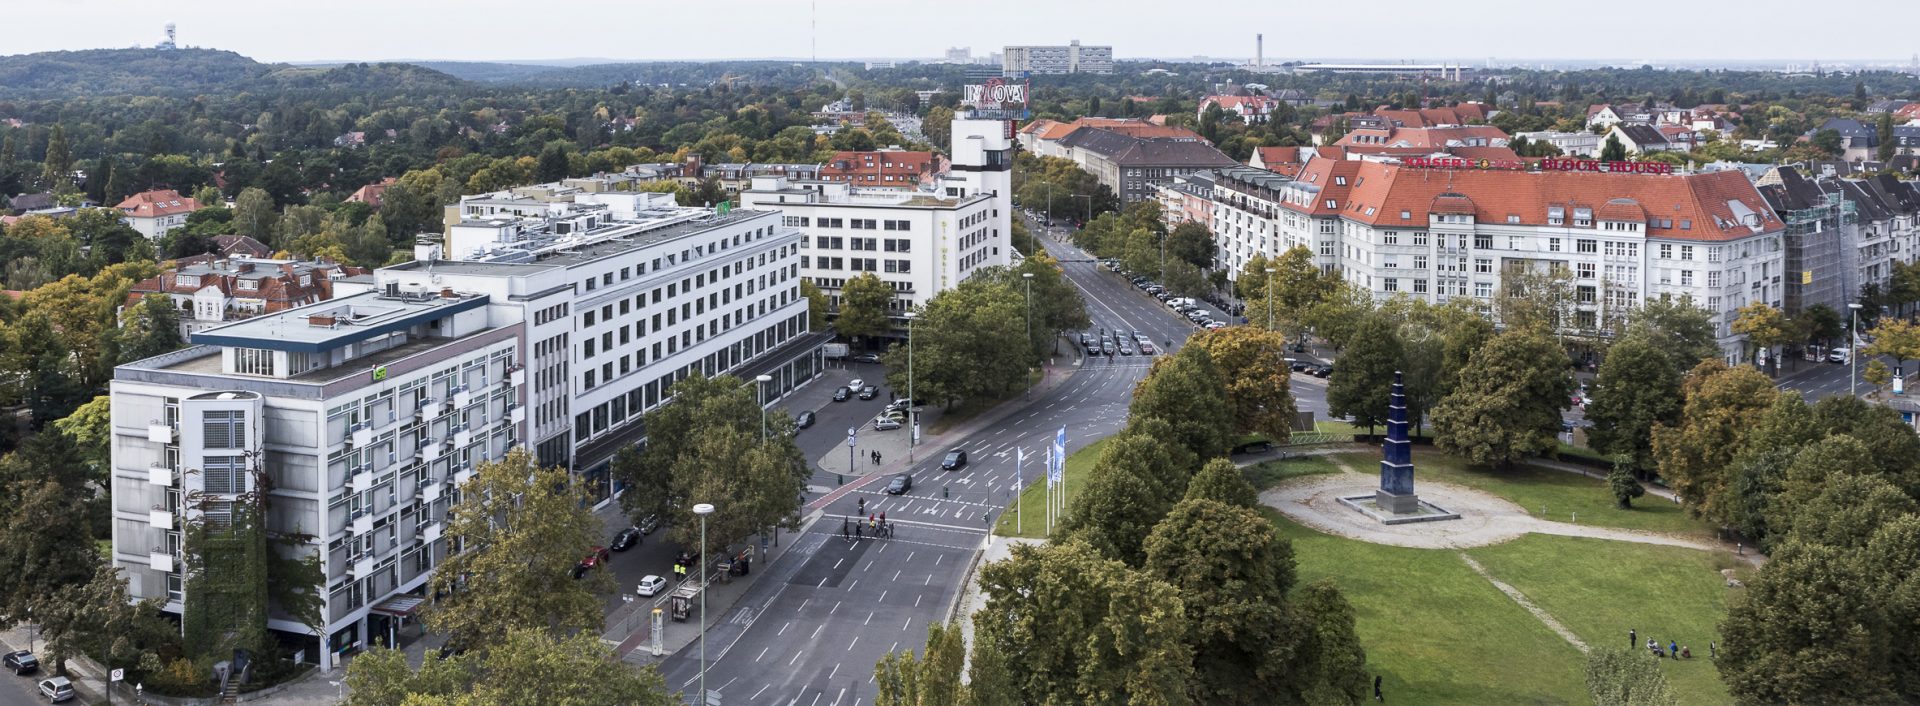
[{"x": 595, "y": 557}]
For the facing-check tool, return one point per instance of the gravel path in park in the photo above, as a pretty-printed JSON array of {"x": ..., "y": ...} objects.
[{"x": 1484, "y": 518}]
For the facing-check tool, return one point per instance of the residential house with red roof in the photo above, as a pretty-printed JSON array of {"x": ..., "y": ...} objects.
[
  {"x": 209, "y": 290},
  {"x": 1623, "y": 238},
  {"x": 903, "y": 169},
  {"x": 372, "y": 194},
  {"x": 1252, "y": 110},
  {"x": 153, "y": 213},
  {"x": 1378, "y": 135}
]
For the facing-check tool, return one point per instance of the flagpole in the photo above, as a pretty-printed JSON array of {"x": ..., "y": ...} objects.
[{"x": 1020, "y": 466}]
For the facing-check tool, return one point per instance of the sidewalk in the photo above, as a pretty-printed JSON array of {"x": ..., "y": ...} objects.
[{"x": 630, "y": 628}]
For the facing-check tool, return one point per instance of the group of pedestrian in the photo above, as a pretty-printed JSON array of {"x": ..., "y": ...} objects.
[
  {"x": 875, "y": 456},
  {"x": 1673, "y": 648}
]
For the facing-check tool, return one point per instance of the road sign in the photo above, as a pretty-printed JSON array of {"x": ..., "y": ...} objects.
[
  {"x": 117, "y": 675},
  {"x": 850, "y": 437}
]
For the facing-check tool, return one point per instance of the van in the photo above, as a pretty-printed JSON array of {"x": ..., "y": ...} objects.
[{"x": 1840, "y": 355}]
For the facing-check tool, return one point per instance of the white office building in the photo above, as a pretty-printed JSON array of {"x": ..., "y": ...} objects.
[
  {"x": 551, "y": 322},
  {"x": 1071, "y": 58},
  {"x": 920, "y": 242}
]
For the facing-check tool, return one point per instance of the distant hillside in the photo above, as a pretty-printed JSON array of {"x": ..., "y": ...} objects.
[
  {"x": 485, "y": 71},
  {"x": 650, "y": 72},
  {"x": 194, "y": 71}
]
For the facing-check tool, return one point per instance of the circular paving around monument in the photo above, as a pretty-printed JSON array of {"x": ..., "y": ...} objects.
[{"x": 1485, "y": 519}]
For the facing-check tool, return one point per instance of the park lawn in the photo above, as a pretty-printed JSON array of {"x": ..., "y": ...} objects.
[
  {"x": 1666, "y": 593},
  {"x": 1266, "y": 474},
  {"x": 1435, "y": 631},
  {"x": 1031, "y": 519},
  {"x": 1566, "y": 496}
]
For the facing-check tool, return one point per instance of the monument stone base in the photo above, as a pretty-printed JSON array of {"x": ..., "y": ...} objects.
[
  {"x": 1396, "y": 503},
  {"x": 1417, "y": 510}
]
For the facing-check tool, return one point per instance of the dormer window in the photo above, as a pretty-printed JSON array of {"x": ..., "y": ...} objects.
[
  {"x": 1556, "y": 215},
  {"x": 187, "y": 280}
]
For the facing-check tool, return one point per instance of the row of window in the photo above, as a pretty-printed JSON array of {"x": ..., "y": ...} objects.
[
  {"x": 671, "y": 260},
  {"x": 622, "y": 409}
]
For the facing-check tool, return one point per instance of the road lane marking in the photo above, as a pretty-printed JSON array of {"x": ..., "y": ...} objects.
[
  {"x": 796, "y": 657},
  {"x": 903, "y": 628},
  {"x": 869, "y": 619},
  {"x": 763, "y": 653},
  {"x": 856, "y": 582},
  {"x": 856, "y": 641},
  {"x": 836, "y": 609},
  {"x": 916, "y": 600},
  {"x": 783, "y": 629},
  {"x": 763, "y": 689},
  {"x": 816, "y": 631},
  {"x": 896, "y": 575}
]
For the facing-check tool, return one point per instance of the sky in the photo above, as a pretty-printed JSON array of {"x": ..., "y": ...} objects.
[{"x": 648, "y": 30}]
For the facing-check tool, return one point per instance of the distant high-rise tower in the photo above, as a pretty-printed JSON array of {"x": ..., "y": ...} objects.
[
  {"x": 1259, "y": 50},
  {"x": 167, "y": 44},
  {"x": 1916, "y": 65}
]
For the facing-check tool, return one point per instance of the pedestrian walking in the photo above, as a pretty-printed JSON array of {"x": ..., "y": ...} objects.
[
  {"x": 877, "y": 458},
  {"x": 1674, "y": 648},
  {"x": 1713, "y": 649},
  {"x": 1376, "y": 689},
  {"x": 1633, "y": 639}
]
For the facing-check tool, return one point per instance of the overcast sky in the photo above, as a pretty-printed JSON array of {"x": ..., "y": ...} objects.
[{"x": 1424, "y": 30}]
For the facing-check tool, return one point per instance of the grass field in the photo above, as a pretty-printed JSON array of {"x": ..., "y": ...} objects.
[
  {"x": 1564, "y": 495},
  {"x": 1030, "y": 520},
  {"x": 1666, "y": 593},
  {"x": 1267, "y": 474}
]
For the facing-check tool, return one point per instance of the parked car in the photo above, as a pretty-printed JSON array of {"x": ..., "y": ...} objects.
[
  {"x": 867, "y": 358},
  {"x": 955, "y": 460},
  {"x": 57, "y": 689},
  {"x": 649, "y": 524},
  {"x": 1212, "y": 325},
  {"x": 595, "y": 557},
  {"x": 1162, "y": 296},
  {"x": 898, "y": 415},
  {"x": 841, "y": 393},
  {"x": 902, "y": 404},
  {"x": 868, "y": 392},
  {"x": 900, "y": 484},
  {"x": 21, "y": 662},
  {"x": 804, "y": 420},
  {"x": 886, "y": 424},
  {"x": 626, "y": 539},
  {"x": 651, "y": 585}
]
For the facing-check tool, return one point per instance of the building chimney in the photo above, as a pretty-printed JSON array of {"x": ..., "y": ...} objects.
[
  {"x": 1259, "y": 50},
  {"x": 320, "y": 320},
  {"x": 447, "y": 293}
]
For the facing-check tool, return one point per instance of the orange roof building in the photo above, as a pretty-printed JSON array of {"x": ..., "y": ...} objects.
[
  {"x": 153, "y": 213},
  {"x": 1622, "y": 238},
  {"x": 885, "y": 168}
]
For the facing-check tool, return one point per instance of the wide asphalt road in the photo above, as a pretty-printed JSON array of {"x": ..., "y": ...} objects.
[{"x": 810, "y": 631}]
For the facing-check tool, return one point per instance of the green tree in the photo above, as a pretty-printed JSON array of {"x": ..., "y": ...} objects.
[
  {"x": 1221, "y": 481},
  {"x": 1624, "y": 485},
  {"x": 148, "y": 328},
  {"x": 254, "y": 214},
  {"x": 554, "y": 161},
  {"x": 90, "y": 430},
  {"x": 1878, "y": 375},
  {"x": 932, "y": 680},
  {"x": 1336, "y": 317},
  {"x": 50, "y": 550},
  {"x": 1613, "y": 150},
  {"x": 1184, "y": 390},
  {"x": 1888, "y": 147},
  {"x": 1362, "y": 387},
  {"x": 1677, "y": 326},
  {"x": 816, "y": 305},
  {"x": 525, "y": 528},
  {"x": 1617, "y": 677},
  {"x": 1764, "y": 328},
  {"x": 98, "y": 619},
  {"x": 1055, "y": 304},
  {"x": 528, "y": 666},
  {"x": 1896, "y": 338},
  {"x": 367, "y": 245},
  {"x": 1828, "y": 142},
  {"x": 1637, "y": 388},
  {"x": 706, "y": 447},
  {"x": 1330, "y": 663},
  {"x": 938, "y": 126},
  {"x": 1821, "y": 323},
  {"x": 967, "y": 344},
  {"x": 864, "y": 301},
  {"x": 1254, "y": 376},
  {"x": 1125, "y": 633},
  {"x": 1508, "y": 401},
  {"x": 1809, "y": 630},
  {"x": 1694, "y": 455},
  {"x": 56, "y": 173},
  {"x": 1192, "y": 243},
  {"x": 1129, "y": 489}
]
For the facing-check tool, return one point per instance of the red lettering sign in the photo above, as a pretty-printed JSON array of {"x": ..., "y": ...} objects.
[{"x": 1549, "y": 164}]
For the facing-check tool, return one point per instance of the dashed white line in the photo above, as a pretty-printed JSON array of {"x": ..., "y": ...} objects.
[
  {"x": 856, "y": 641},
  {"x": 816, "y": 631},
  {"x": 783, "y": 629},
  {"x": 763, "y": 652},
  {"x": 796, "y": 657}
]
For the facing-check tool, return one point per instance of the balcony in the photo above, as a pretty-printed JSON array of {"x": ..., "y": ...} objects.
[
  {"x": 516, "y": 413},
  {"x": 431, "y": 448},
  {"x": 430, "y": 409},
  {"x": 431, "y": 531},
  {"x": 462, "y": 397},
  {"x": 360, "y": 566},
  {"x": 360, "y": 434},
  {"x": 160, "y": 560},
  {"x": 516, "y": 376},
  {"x": 160, "y": 474},
  {"x": 428, "y": 490},
  {"x": 362, "y": 523},
  {"x": 160, "y": 518},
  {"x": 462, "y": 436},
  {"x": 463, "y": 474},
  {"x": 161, "y": 433},
  {"x": 361, "y": 478}
]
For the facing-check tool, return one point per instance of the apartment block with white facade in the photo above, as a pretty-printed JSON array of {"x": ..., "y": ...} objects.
[
  {"x": 1438, "y": 234},
  {"x": 624, "y": 294},
  {"x": 365, "y": 412}
]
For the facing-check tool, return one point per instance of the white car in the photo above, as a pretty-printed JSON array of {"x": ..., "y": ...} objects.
[
  {"x": 855, "y": 384},
  {"x": 886, "y": 424},
  {"x": 57, "y": 689},
  {"x": 651, "y": 585}
]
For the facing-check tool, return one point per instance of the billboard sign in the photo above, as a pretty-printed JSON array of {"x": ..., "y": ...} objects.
[
  {"x": 997, "y": 99},
  {"x": 1549, "y": 164}
]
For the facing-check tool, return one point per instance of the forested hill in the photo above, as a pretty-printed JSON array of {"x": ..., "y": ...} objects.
[
  {"x": 702, "y": 73},
  {"x": 99, "y": 72}
]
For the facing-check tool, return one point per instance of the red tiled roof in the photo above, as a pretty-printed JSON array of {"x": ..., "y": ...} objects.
[
  {"x": 1484, "y": 152},
  {"x": 871, "y": 168},
  {"x": 154, "y": 204},
  {"x": 372, "y": 193},
  {"x": 1271, "y": 156},
  {"x": 1688, "y": 206}
]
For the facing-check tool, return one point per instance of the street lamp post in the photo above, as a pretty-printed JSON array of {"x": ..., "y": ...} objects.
[
  {"x": 1853, "y": 351},
  {"x": 763, "y": 380},
  {"x": 1028, "y": 278},
  {"x": 1270, "y": 272},
  {"x": 913, "y": 408},
  {"x": 703, "y": 510}
]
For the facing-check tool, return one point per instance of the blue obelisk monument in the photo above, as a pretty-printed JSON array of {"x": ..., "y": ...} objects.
[{"x": 1396, "y": 467}]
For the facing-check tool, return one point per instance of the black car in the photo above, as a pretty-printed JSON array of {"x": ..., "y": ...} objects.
[
  {"x": 804, "y": 420},
  {"x": 955, "y": 460},
  {"x": 21, "y": 663},
  {"x": 900, "y": 484},
  {"x": 841, "y": 394},
  {"x": 1301, "y": 366},
  {"x": 867, "y": 358},
  {"x": 1321, "y": 371},
  {"x": 626, "y": 539},
  {"x": 1254, "y": 447},
  {"x": 868, "y": 392}
]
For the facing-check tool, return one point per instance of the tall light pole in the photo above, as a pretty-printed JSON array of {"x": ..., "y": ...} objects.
[
  {"x": 703, "y": 510},
  {"x": 1028, "y": 278},
  {"x": 763, "y": 380},
  {"x": 1270, "y": 272},
  {"x": 913, "y": 407},
  {"x": 1853, "y": 351}
]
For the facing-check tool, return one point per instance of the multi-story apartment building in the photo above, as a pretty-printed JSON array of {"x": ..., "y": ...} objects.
[
  {"x": 921, "y": 242},
  {"x": 623, "y": 294},
  {"x": 552, "y": 322},
  {"x": 208, "y": 291},
  {"x": 1622, "y": 238},
  {"x": 1843, "y": 235},
  {"x": 1245, "y": 217},
  {"x": 363, "y": 412},
  {"x": 1056, "y": 59},
  {"x": 1133, "y": 166}
]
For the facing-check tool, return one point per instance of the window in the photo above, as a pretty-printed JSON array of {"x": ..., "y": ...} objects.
[
  {"x": 1666, "y": 251},
  {"x": 1686, "y": 278},
  {"x": 1483, "y": 290},
  {"x": 252, "y": 361},
  {"x": 1419, "y": 262},
  {"x": 1420, "y": 237},
  {"x": 1556, "y": 215},
  {"x": 1587, "y": 245},
  {"x": 224, "y": 429},
  {"x": 1686, "y": 252},
  {"x": 1585, "y": 270},
  {"x": 1713, "y": 278},
  {"x": 1484, "y": 241},
  {"x": 226, "y": 475},
  {"x": 1553, "y": 245},
  {"x": 1390, "y": 237},
  {"x": 1419, "y": 286},
  {"x": 1483, "y": 265}
]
